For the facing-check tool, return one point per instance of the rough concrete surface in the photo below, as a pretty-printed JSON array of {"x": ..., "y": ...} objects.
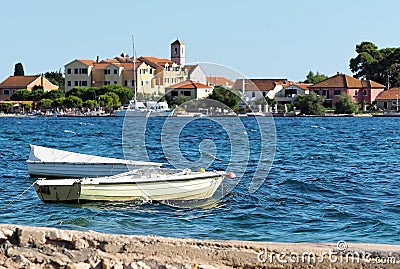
[{"x": 39, "y": 247}]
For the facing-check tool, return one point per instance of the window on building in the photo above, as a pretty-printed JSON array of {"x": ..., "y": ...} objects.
[
  {"x": 76, "y": 83},
  {"x": 84, "y": 83},
  {"x": 115, "y": 82},
  {"x": 187, "y": 93},
  {"x": 126, "y": 83},
  {"x": 173, "y": 80},
  {"x": 253, "y": 94},
  {"x": 84, "y": 70},
  {"x": 115, "y": 71},
  {"x": 107, "y": 71},
  {"x": 365, "y": 92},
  {"x": 107, "y": 82},
  {"x": 69, "y": 71},
  {"x": 174, "y": 93},
  {"x": 6, "y": 92},
  {"x": 336, "y": 92},
  {"x": 166, "y": 80},
  {"x": 355, "y": 92},
  {"x": 69, "y": 83},
  {"x": 76, "y": 71}
]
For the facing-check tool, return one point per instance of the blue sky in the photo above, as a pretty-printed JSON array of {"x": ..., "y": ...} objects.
[{"x": 284, "y": 39}]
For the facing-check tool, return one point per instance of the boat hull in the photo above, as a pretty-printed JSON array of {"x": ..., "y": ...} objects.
[
  {"x": 102, "y": 189},
  {"x": 53, "y": 163}
]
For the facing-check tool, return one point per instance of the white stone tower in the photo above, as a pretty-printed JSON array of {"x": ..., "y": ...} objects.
[{"x": 178, "y": 52}]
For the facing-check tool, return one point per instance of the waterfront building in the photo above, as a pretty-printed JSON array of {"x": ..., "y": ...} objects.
[
  {"x": 254, "y": 89},
  {"x": 189, "y": 88},
  {"x": 219, "y": 81},
  {"x": 13, "y": 83},
  {"x": 153, "y": 74},
  {"x": 361, "y": 91},
  {"x": 289, "y": 93},
  {"x": 196, "y": 73},
  {"x": 389, "y": 99}
]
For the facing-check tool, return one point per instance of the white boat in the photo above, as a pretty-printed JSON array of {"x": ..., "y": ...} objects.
[
  {"x": 135, "y": 109},
  {"x": 139, "y": 109},
  {"x": 147, "y": 109},
  {"x": 54, "y": 163},
  {"x": 140, "y": 184}
]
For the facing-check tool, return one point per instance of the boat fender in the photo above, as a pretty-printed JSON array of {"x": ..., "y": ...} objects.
[
  {"x": 230, "y": 175},
  {"x": 201, "y": 169}
]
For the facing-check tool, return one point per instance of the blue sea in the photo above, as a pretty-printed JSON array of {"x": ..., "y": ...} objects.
[{"x": 325, "y": 179}]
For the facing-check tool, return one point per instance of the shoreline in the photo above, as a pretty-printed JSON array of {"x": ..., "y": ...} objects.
[{"x": 41, "y": 247}]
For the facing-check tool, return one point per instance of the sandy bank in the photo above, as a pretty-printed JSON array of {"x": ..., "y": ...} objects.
[{"x": 37, "y": 247}]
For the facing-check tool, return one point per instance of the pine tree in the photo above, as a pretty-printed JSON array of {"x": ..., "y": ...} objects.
[{"x": 19, "y": 70}]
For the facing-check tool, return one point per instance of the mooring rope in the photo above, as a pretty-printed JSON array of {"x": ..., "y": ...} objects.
[{"x": 17, "y": 197}]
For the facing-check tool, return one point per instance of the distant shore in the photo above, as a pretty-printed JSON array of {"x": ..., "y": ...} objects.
[
  {"x": 366, "y": 115},
  {"x": 39, "y": 247}
]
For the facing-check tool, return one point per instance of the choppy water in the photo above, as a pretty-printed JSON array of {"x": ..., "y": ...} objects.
[{"x": 331, "y": 179}]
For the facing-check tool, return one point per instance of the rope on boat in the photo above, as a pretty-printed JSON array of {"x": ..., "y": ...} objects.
[{"x": 17, "y": 197}]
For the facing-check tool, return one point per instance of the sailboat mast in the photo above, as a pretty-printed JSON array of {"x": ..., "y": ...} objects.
[{"x": 134, "y": 69}]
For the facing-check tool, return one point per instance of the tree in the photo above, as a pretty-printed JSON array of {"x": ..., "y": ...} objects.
[
  {"x": 379, "y": 65},
  {"x": 6, "y": 106},
  {"x": 310, "y": 104},
  {"x": 19, "y": 70},
  {"x": 124, "y": 94},
  {"x": 45, "y": 103},
  {"x": 73, "y": 102},
  {"x": 57, "y": 78},
  {"x": 37, "y": 93},
  {"x": 106, "y": 101},
  {"x": 21, "y": 95},
  {"x": 92, "y": 104},
  {"x": 114, "y": 98},
  {"x": 54, "y": 94},
  {"x": 178, "y": 100},
  {"x": 226, "y": 96},
  {"x": 312, "y": 78},
  {"x": 58, "y": 103},
  {"x": 345, "y": 105}
]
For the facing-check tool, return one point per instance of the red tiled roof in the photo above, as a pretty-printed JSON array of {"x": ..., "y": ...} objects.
[
  {"x": 219, "y": 81},
  {"x": 87, "y": 62},
  {"x": 391, "y": 94},
  {"x": 304, "y": 86},
  {"x": 345, "y": 81},
  {"x": 262, "y": 84},
  {"x": 188, "y": 84},
  {"x": 17, "y": 81}
]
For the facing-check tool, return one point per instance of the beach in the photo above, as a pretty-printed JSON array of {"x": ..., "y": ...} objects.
[{"x": 39, "y": 247}]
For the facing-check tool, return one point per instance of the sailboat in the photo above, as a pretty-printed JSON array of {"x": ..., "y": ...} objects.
[{"x": 139, "y": 109}]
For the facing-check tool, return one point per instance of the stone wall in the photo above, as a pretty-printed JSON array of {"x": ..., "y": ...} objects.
[{"x": 38, "y": 247}]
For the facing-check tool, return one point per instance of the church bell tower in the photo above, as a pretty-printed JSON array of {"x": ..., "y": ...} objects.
[{"x": 178, "y": 52}]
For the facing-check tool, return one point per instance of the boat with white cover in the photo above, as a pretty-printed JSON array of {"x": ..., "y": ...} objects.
[
  {"x": 55, "y": 163},
  {"x": 154, "y": 184}
]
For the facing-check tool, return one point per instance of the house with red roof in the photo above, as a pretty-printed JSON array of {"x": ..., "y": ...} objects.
[
  {"x": 13, "y": 83},
  {"x": 361, "y": 91},
  {"x": 289, "y": 93},
  {"x": 193, "y": 89},
  {"x": 389, "y": 99},
  {"x": 255, "y": 89},
  {"x": 152, "y": 74},
  {"x": 219, "y": 81}
]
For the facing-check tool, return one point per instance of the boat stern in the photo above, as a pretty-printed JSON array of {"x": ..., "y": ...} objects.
[{"x": 58, "y": 191}]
